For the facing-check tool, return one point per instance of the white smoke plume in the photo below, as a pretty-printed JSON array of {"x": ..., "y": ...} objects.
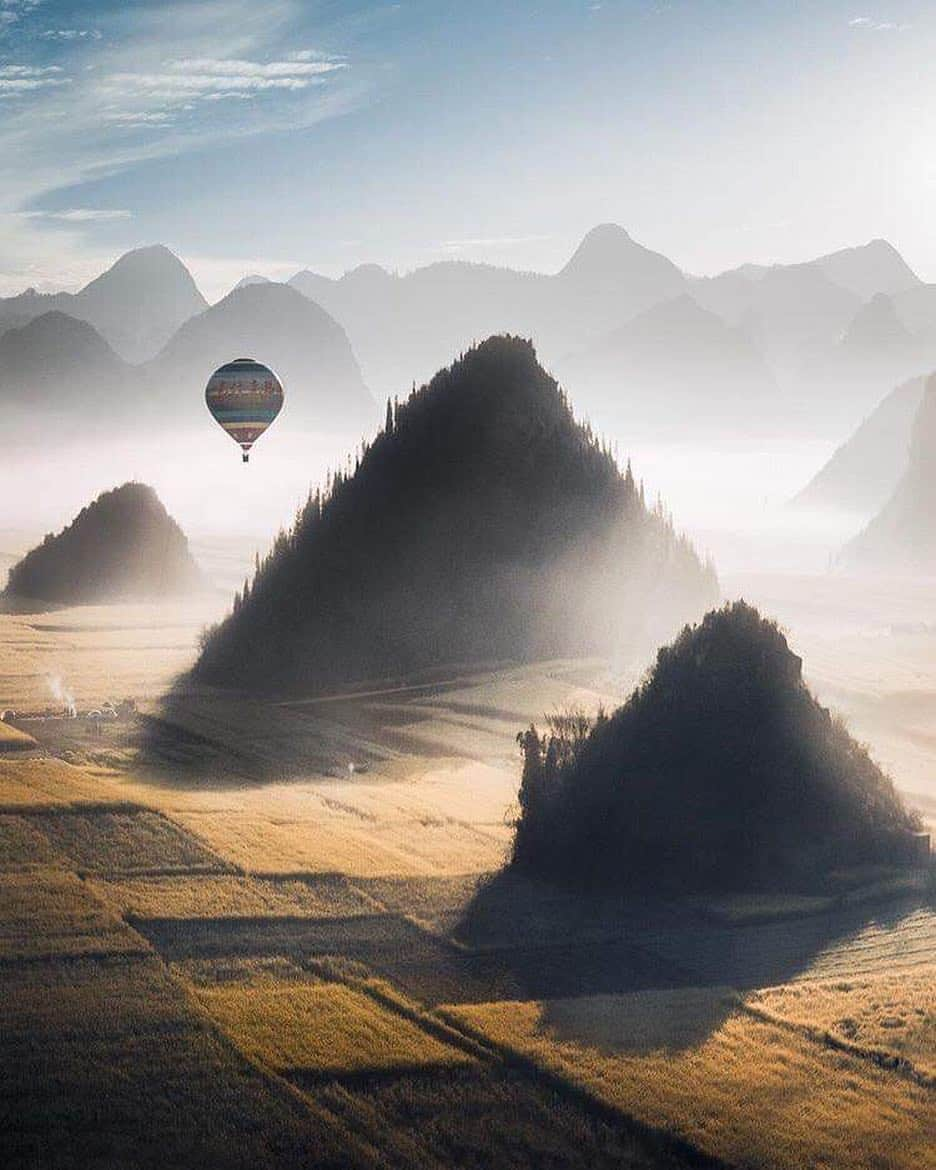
[{"x": 62, "y": 694}]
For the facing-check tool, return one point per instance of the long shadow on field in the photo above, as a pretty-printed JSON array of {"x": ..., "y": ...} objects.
[
  {"x": 199, "y": 735},
  {"x": 566, "y": 947}
]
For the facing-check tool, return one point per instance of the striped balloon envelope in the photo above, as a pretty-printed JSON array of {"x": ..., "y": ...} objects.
[{"x": 244, "y": 397}]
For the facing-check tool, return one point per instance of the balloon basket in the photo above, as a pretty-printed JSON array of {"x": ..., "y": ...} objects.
[{"x": 245, "y": 457}]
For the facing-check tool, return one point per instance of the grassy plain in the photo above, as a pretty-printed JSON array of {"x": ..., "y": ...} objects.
[
  {"x": 323, "y": 1028},
  {"x": 226, "y": 927},
  {"x": 892, "y": 1015},
  {"x": 739, "y": 1088}
]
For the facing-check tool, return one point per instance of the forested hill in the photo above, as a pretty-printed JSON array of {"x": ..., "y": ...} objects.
[
  {"x": 482, "y": 523},
  {"x": 122, "y": 546},
  {"x": 721, "y": 771}
]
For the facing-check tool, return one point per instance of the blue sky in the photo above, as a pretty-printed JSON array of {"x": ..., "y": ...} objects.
[{"x": 265, "y": 136}]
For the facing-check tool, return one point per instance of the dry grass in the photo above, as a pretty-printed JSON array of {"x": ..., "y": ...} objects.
[
  {"x": 109, "y": 1064},
  {"x": 46, "y": 913},
  {"x": 326, "y": 838},
  {"x": 742, "y": 1089},
  {"x": 52, "y": 782},
  {"x": 322, "y": 1028},
  {"x": 23, "y": 846},
  {"x": 883, "y": 1014},
  {"x": 13, "y": 740},
  {"x": 123, "y": 842},
  {"x": 265, "y": 970},
  {"x": 104, "y": 652},
  {"x": 229, "y": 895}
]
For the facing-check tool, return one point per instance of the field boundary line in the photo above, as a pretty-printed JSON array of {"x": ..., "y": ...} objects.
[
  {"x": 583, "y": 1097},
  {"x": 881, "y": 1057},
  {"x": 364, "y": 1151}
]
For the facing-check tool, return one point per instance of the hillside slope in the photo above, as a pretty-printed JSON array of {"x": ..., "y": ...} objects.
[
  {"x": 720, "y": 771},
  {"x": 483, "y": 523},
  {"x": 122, "y": 546},
  {"x": 864, "y": 471},
  {"x": 273, "y": 323},
  {"x": 902, "y": 536}
]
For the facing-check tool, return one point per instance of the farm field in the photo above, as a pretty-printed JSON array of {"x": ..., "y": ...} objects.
[{"x": 274, "y": 934}]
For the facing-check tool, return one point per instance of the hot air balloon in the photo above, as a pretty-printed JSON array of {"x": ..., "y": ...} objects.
[{"x": 244, "y": 397}]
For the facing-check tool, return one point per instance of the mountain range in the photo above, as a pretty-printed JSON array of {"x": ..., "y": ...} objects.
[
  {"x": 808, "y": 347},
  {"x": 136, "y": 305},
  {"x": 58, "y": 374}
]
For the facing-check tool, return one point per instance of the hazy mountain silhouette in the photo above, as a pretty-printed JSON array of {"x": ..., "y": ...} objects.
[
  {"x": 793, "y": 318},
  {"x": 916, "y": 308},
  {"x": 720, "y": 771},
  {"x": 251, "y": 278},
  {"x": 55, "y": 368},
  {"x": 875, "y": 267},
  {"x": 803, "y": 325},
  {"x": 864, "y": 471},
  {"x": 902, "y": 536},
  {"x": 876, "y": 352},
  {"x": 483, "y": 523},
  {"x": 276, "y": 325},
  {"x": 608, "y": 262},
  {"x": 136, "y": 305},
  {"x": 122, "y": 546},
  {"x": 407, "y": 326},
  {"x": 876, "y": 329},
  {"x": 784, "y": 307},
  {"x": 675, "y": 362},
  {"x": 403, "y": 328}
]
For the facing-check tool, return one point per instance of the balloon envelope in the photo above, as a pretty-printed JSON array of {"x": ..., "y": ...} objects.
[{"x": 244, "y": 397}]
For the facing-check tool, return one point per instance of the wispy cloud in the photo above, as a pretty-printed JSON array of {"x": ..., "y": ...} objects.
[
  {"x": 13, "y": 10},
  {"x": 16, "y": 80},
  {"x": 81, "y": 214},
  {"x": 872, "y": 25},
  {"x": 196, "y": 78},
  {"x": 71, "y": 34},
  {"x": 81, "y": 101},
  {"x": 481, "y": 242}
]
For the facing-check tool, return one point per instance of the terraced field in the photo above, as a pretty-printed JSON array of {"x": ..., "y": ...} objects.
[{"x": 270, "y": 935}]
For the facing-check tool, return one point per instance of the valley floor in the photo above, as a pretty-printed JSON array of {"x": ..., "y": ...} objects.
[{"x": 272, "y": 934}]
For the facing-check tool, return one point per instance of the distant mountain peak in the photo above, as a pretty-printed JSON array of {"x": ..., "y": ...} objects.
[
  {"x": 251, "y": 278},
  {"x": 605, "y": 245},
  {"x": 150, "y": 261},
  {"x": 609, "y": 263},
  {"x": 875, "y": 267},
  {"x": 876, "y": 324}
]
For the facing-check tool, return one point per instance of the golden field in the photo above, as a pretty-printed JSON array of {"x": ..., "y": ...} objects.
[
  {"x": 893, "y": 1015},
  {"x": 240, "y": 933},
  {"x": 322, "y": 1028},
  {"x": 742, "y": 1089}
]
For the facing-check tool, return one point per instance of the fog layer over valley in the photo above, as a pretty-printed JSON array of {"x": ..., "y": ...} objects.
[{"x": 729, "y": 393}]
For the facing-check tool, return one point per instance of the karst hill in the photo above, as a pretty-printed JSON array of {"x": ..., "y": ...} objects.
[
  {"x": 122, "y": 546},
  {"x": 721, "y": 771},
  {"x": 484, "y": 523}
]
